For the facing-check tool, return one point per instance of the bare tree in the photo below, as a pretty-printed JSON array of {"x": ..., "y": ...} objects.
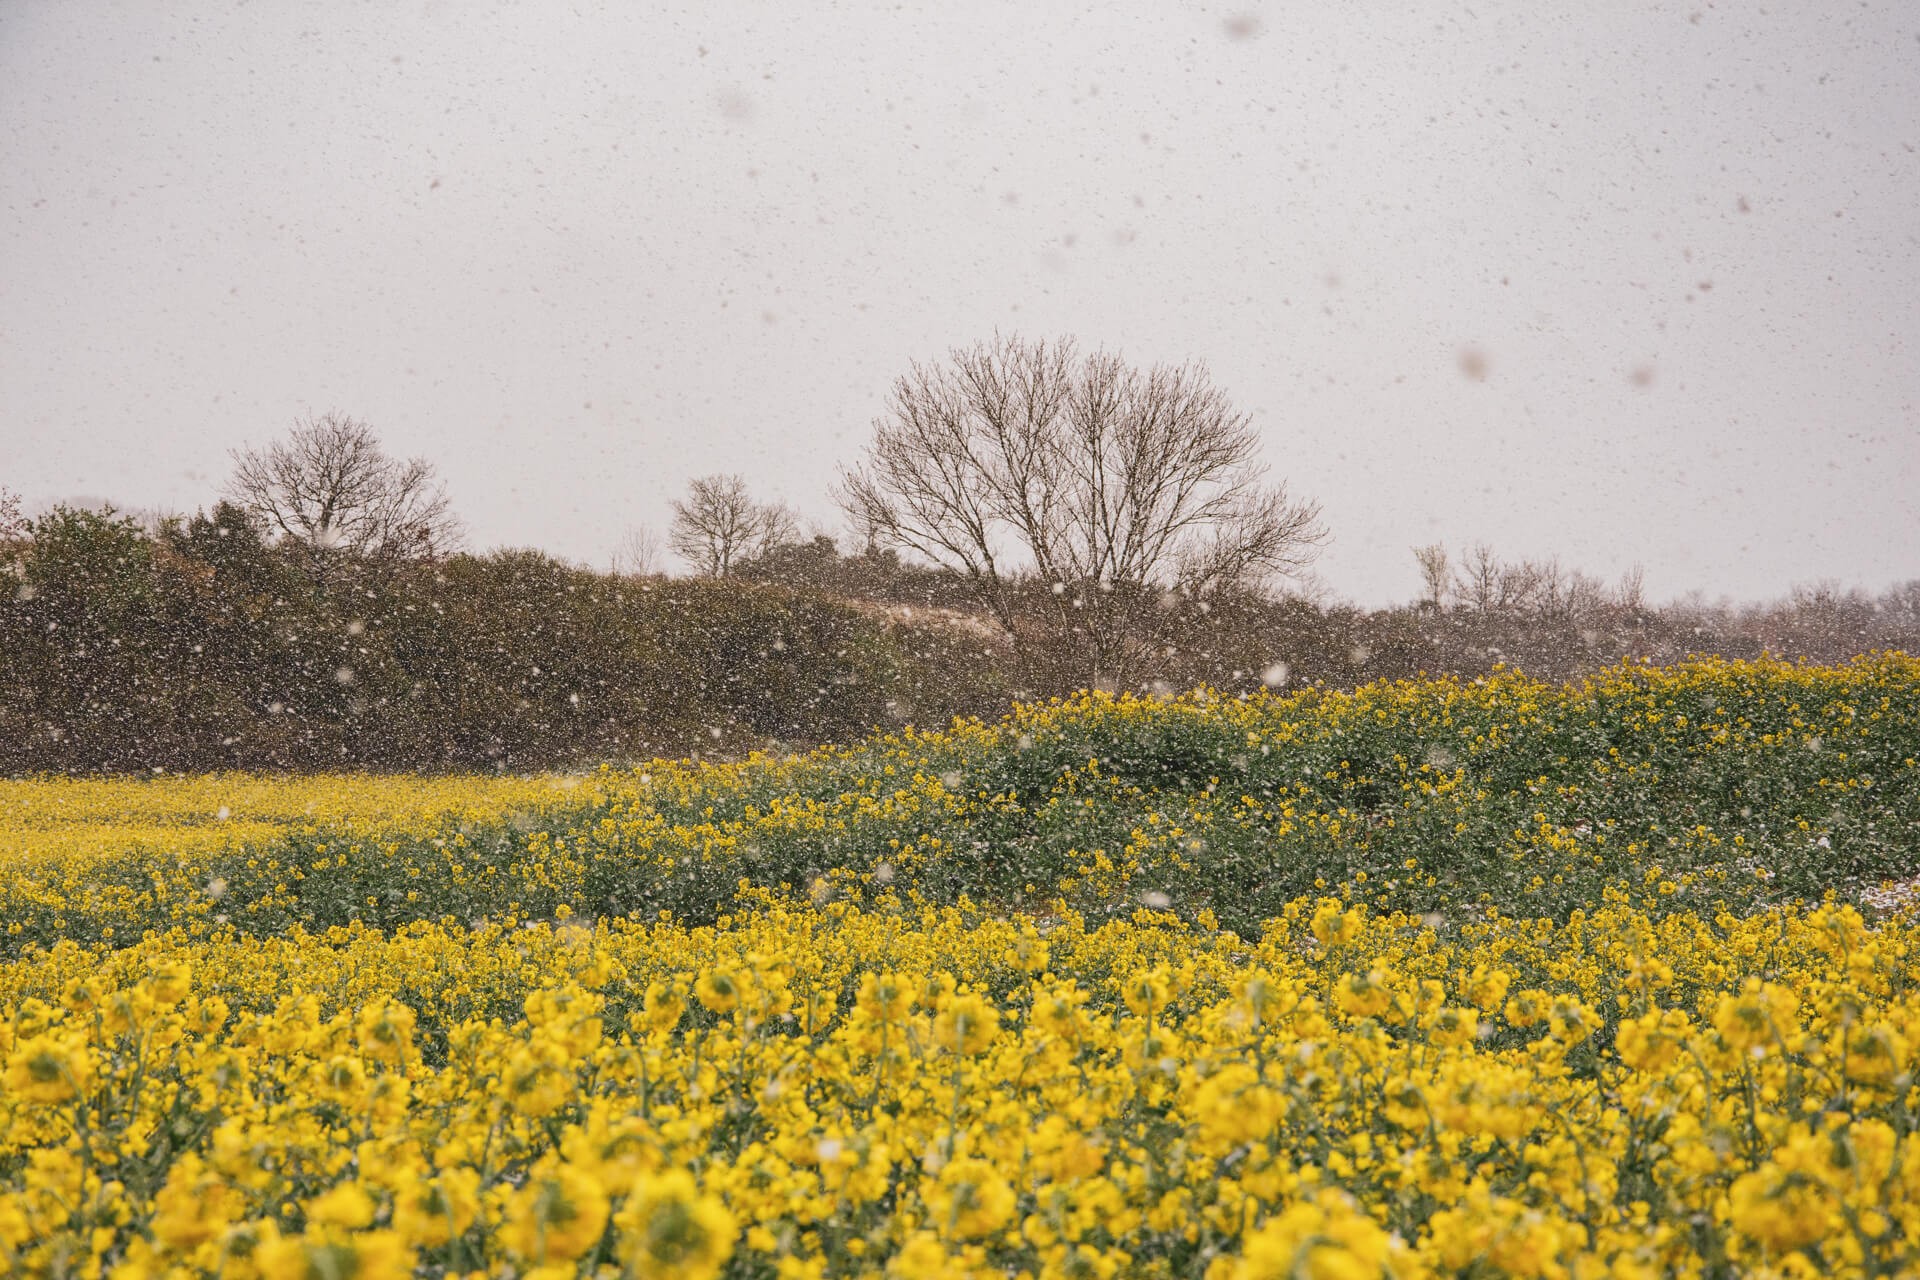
[
  {"x": 1587, "y": 595},
  {"x": 1477, "y": 582},
  {"x": 637, "y": 553},
  {"x": 1435, "y": 574},
  {"x": 330, "y": 485},
  {"x": 1521, "y": 584},
  {"x": 13, "y": 523},
  {"x": 1631, "y": 594},
  {"x": 779, "y": 526},
  {"x": 719, "y": 524},
  {"x": 158, "y": 523},
  {"x": 1485, "y": 583},
  {"x": 1077, "y": 495}
]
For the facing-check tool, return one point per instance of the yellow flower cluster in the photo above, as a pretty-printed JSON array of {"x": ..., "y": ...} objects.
[
  {"x": 1716, "y": 781},
  {"x": 887, "y": 1090},
  {"x": 88, "y": 818},
  {"x": 125, "y": 851},
  {"x": 1708, "y": 781}
]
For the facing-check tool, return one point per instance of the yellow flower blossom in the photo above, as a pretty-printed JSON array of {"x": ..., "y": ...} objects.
[
  {"x": 668, "y": 1229},
  {"x": 970, "y": 1199},
  {"x": 1327, "y": 1238},
  {"x": 557, "y": 1216},
  {"x": 966, "y": 1023}
]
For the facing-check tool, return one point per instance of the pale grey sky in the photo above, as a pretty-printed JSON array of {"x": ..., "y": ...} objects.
[{"x": 579, "y": 253}]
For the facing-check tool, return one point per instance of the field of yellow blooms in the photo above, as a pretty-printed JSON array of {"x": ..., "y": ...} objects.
[
  {"x": 73, "y": 820},
  {"x": 1487, "y": 979}
]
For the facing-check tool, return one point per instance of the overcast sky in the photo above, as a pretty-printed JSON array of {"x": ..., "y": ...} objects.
[{"x": 579, "y": 253}]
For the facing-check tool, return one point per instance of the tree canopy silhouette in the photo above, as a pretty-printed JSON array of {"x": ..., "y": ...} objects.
[
  {"x": 1078, "y": 495},
  {"x": 329, "y": 484}
]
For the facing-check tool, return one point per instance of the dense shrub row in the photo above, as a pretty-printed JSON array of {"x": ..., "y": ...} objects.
[{"x": 204, "y": 648}]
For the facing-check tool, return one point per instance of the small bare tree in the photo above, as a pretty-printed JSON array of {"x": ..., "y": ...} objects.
[
  {"x": 637, "y": 553},
  {"x": 330, "y": 485},
  {"x": 1484, "y": 583},
  {"x": 1631, "y": 594},
  {"x": 13, "y": 523},
  {"x": 1436, "y": 573},
  {"x": 718, "y": 524},
  {"x": 1477, "y": 581},
  {"x": 1078, "y": 496}
]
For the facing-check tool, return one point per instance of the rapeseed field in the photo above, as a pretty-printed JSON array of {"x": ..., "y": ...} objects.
[{"x": 1434, "y": 978}]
